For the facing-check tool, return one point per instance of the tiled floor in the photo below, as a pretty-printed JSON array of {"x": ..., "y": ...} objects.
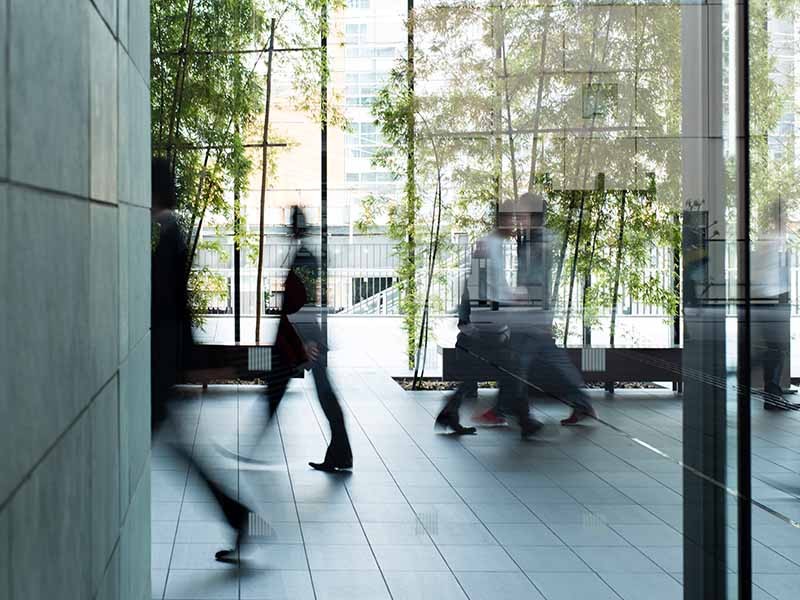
[{"x": 579, "y": 513}]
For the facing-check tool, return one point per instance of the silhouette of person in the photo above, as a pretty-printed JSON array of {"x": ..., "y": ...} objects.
[
  {"x": 171, "y": 336},
  {"x": 486, "y": 333},
  {"x": 514, "y": 335},
  {"x": 300, "y": 343},
  {"x": 304, "y": 277}
]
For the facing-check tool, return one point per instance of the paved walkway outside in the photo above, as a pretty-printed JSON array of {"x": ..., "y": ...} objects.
[{"x": 584, "y": 513}]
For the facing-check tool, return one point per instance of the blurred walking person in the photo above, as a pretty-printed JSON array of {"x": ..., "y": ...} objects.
[
  {"x": 300, "y": 344},
  {"x": 171, "y": 335},
  {"x": 511, "y": 328}
]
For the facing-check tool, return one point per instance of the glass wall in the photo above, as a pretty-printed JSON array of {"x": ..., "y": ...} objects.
[{"x": 657, "y": 142}]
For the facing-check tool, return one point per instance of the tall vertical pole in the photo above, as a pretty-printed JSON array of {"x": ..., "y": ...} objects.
[
  {"x": 323, "y": 207},
  {"x": 743, "y": 286},
  {"x": 237, "y": 257}
]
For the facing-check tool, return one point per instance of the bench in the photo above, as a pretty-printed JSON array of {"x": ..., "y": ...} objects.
[
  {"x": 231, "y": 361},
  {"x": 598, "y": 365}
]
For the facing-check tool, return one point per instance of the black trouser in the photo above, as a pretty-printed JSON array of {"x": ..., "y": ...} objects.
[
  {"x": 339, "y": 451},
  {"x": 502, "y": 360},
  {"x": 235, "y": 513}
]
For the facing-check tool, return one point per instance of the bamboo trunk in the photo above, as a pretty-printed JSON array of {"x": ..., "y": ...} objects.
[
  {"x": 539, "y": 92},
  {"x": 264, "y": 166},
  {"x": 618, "y": 270},
  {"x": 588, "y": 274},
  {"x": 510, "y": 130},
  {"x": 568, "y": 227},
  {"x": 411, "y": 204},
  {"x": 180, "y": 79}
]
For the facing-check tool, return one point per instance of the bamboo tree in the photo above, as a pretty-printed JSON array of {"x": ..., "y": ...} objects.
[
  {"x": 264, "y": 164},
  {"x": 180, "y": 81},
  {"x": 539, "y": 93},
  {"x": 574, "y": 265},
  {"x": 598, "y": 226},
  {"x": 410, "y": 255},
  {"x": 433, "y": 249},
  {"x": 568, "y": 227},
  {"x": 617, "y": 269},
  {"x": 509, "y": 124}
]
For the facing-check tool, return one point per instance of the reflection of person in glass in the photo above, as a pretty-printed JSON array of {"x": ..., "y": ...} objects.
[
  {"x": 770, "y": 314},
  {"x": 513, "y": 329}
]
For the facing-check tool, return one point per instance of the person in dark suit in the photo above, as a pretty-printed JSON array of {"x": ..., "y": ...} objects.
[
  {"x": 171, "y": 334},
  {"x": 300, "y": 295}
]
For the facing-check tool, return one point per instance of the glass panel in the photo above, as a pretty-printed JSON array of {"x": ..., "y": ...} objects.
[
  {"x": 546, "y": 204},
  {"x": 773, "y": 179}
]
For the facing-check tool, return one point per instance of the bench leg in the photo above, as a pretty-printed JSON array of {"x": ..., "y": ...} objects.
[
  {"x": 610, "y": 387},
  {"x": 205, "y": 387}
]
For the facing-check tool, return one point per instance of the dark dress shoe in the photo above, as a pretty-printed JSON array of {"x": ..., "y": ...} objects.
[
  {"x": 450, "y": 422},
  {"x": 331, "y": 467},
  {"x": 529, "y": 427},
  {"x": 230, "y": 556}
]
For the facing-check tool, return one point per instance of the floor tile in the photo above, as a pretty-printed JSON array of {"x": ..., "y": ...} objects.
[
  {"x": 620, "y": 514},
  {"x": 575, "y": 586},
  {"x": 276, "y": 585},
  {"x": 372, "y": 512},
  {"x": 424, "y": 586},
  {"x": 491, "y": 586},
  {"x": 409, "y": 558},
  {"x": 431, "y": 494},
  {"x": 340, "y": 558},
  {"x": 649, "y": 535},
  {"x": 393, "y": 534},
  {"x": 616, "y": 559},
  {"x": 202, "y": 585},
  {"x": 333, "y": 533},
  {"x": 547, "y": 559},
  {"x": 350, "y": 585},
  {"x": 165, "y": 511},
  {"x": 447, "y": 512},
  {"x": 459, "y": 533},
  {"x": 322, "y": 512},
  {"x": 524, "y": 534},
  {"x": 478, "y": 558},
  {"x": 589, "y": 534},
  {"x": 158, "y": 581},
  {"x": 669, "y": 558},
  {"x": 505, "y": 512},
  {"x": 635, "y": 586},
  {"x": 767, "y": 561},
  {"x": 278, "y": 511},
  {"x": 160, "y": 555},
  {"x": 197, "y": 557},
  {"x": 287, "y": 557},
  {"x": 204, "y": 532}
]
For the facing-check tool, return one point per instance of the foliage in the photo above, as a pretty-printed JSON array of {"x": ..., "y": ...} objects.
[
  {"x": 204, "y": 101},
  {"x": 207, "y": 96},
  {"x": 394, "y": 110},
  {"x": 774, "y": 173},
  {"x": 205, "y": 287},
  {"x": 493, "y": 91}
]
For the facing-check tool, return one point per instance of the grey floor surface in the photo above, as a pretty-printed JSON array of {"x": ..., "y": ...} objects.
[{"x": 578, "y": 513}]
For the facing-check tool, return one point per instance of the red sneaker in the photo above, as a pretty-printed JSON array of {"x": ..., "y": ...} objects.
[
  {"x": 490, "y": 419},
  {"x": 579, "y": 415}
]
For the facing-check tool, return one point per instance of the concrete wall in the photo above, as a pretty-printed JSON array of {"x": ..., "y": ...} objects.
[{"x": 74, "y": 299}]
